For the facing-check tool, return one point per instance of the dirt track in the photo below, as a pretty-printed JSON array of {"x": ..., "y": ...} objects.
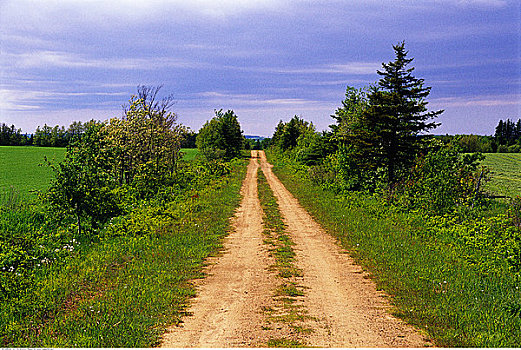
[
  {"x": 347, "y": 308},
  {"x": 227, "y": 311},
  {"x": 350, "y": 311}
]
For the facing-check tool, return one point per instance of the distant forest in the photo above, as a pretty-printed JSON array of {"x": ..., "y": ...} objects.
[
  {"x": 506, "y": 138},
  {"x": 58, "y": 136}
]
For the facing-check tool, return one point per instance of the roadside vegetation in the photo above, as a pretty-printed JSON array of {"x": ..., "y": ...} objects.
[
  {"x": 448, "y": 275},
  {"x": 104, "y": 257},
  {"x": 412, "y": 209}
]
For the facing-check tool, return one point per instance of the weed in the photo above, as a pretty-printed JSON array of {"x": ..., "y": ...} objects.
[
  {"x": 285, "y": 343},
  {"x": 290, "y": 289}
]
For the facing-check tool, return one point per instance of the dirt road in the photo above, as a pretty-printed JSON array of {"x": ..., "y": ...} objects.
[
  {"x": 228, "y": 309},
  {"x": 349, "y": 309},
  {"x": 346, "y": 309}
]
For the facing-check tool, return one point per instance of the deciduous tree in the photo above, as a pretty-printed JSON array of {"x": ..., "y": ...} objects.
[{"x": 221, "y": 136}]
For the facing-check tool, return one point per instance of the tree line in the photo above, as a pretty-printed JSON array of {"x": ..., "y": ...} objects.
[
  {"x": 380, "y": 143},
  {"x": 45, "y": 136},
  {"x": 59, "y": 136},
  {"x": 506, "y": 139}
]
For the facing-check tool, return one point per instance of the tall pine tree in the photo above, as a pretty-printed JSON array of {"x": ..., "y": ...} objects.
[{"x": 388, "y": 132}]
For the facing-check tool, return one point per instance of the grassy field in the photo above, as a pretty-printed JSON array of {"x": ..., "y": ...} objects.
[
  {"x": 189, "y": 153},
  {"x": 506, "y": 173},
  {"x": 19, "y": 168}
]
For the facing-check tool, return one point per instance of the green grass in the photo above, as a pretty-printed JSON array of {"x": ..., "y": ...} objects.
[
  {"x": 125, "y": 290},
  {"x": 431, "y": 282},
  {"x": 189, "y": 153},
  {"x": 506, "y": 173},
  {"x": 20, "y": 169}
]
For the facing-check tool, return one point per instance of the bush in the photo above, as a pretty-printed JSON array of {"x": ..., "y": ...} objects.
[
  {"x": 440, "y": 181},
  {"x": 221, "y": 137}
]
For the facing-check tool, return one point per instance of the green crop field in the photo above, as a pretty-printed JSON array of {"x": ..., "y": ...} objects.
[
  {"x": 20, "y": 169},
  {"x": 506, "y": 173},
  {"x": 189, "y": 153}
]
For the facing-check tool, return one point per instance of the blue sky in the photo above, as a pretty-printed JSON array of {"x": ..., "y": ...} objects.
[{"x": 65, "y": 60}]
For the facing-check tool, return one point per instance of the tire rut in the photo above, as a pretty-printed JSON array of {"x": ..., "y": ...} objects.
[
  {"x": 348, "y": 310},
  {"x": 228, "y": 309}
]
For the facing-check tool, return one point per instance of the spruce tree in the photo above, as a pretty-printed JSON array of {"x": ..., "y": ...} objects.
[{"x": 390, "y": 128}]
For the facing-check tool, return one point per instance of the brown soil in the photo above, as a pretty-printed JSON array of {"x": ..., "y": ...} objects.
[
  {"x": 349, "y": 310},
  {"x": 346, "y": 309},
  {"x": 228, "y": 309}
]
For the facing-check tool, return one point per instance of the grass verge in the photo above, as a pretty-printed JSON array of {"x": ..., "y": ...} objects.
[
  {"x": 125, "y": 290},
  {"x": 431, "y": 283},
  {"x": 288, "y": 309}
]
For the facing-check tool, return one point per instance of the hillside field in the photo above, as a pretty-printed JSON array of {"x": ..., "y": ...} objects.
[
  {"x": 23, "y": 168},
  {"x": 506, "y": 173}
]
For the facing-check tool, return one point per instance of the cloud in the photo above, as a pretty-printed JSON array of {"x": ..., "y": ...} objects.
[
  {"x": 354, "y": 68},
  {"x": 487, "y": 3},
  {"x": 98, "y": 11},
  {"x": 480, "y": 101},
  {"x": 22, "y": 100},
  {"x": 44, "y": 59},
  {"x": 216, "y": 98}
]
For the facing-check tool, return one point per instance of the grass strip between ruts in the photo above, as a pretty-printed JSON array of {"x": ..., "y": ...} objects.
[{"x": 288, "y": 310}]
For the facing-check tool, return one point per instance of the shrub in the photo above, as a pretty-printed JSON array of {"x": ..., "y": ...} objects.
[{"x": 441, "y": 180}]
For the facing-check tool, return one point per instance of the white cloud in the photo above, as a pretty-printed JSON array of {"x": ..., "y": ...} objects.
[
  {"x": 480, "y": 101},
  {"x": 43, "y": 59},
  {"x": 98, "y": 11},
  {"x": 488, "y": 3},
  {"x": 354, "y": 68},
  {"x": 21, "y": 100},
  {"x": 232, "y": 99}
]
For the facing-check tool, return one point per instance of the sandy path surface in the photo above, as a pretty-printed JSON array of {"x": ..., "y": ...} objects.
[
  {"x": 346, "y": 309},
  {"x": 350, "y": 312},
  {"x": 228, "y": 309}
]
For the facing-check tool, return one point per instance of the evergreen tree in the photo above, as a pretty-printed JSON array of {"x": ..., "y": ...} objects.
[
  {"x": 387, "y": 135},
  {"x": 277, "y": 135},
  {"x": 499, "y": 134},
  {"x": 507, "y": 132}
]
